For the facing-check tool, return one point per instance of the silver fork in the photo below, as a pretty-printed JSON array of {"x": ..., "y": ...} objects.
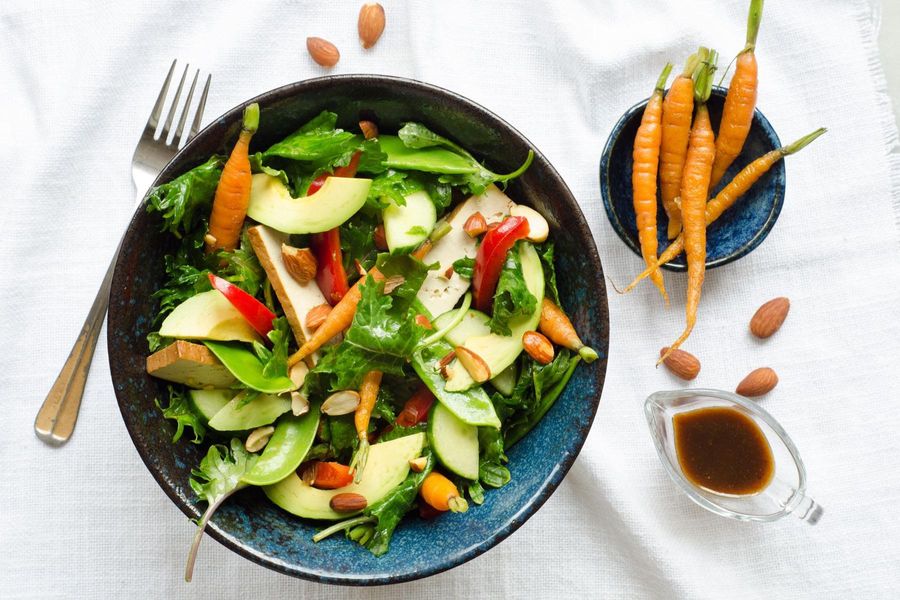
[{"x": 56, "y": 419}]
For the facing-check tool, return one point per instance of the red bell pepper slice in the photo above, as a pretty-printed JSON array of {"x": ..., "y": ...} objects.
[
  {"x": 490, "y": 258},
  {"x": 416, "y": 409},
  {"x": 257, "y": 314},
  {"x": 331, "y": 277}
]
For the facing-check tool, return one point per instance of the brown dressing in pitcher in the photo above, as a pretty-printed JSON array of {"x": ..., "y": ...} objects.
[{"x": 723, "y": 450}]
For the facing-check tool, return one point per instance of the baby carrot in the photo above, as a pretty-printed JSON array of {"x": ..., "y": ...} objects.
[
  {"x": 440, "y": 493},
  {"x": 678, "y": 109},
  {"x": 729, "y": 194},
  {"x": 694, "y": 190},
  {"x": 643, "y": 177},
  {"x": 233, "y": 191},
  {"x": 737, "y": 115},
  {"x": 339, "y": 319},
  {"x": 368, "y": 392},
  {"x": 557, "y": 326}
]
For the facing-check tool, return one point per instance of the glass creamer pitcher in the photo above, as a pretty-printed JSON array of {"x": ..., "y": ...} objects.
[{"x": 785, "y": 492}]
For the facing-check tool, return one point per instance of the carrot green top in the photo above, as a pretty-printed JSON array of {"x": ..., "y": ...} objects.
[
  {"x": 251, "y": 118},
  {"x": 703, "y": 74},
  {"x": 663, "y": 77},
  {"x": 753, "y": 19}
]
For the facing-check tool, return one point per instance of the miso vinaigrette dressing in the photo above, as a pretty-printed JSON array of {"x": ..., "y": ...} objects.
[{"x": 722, "y": 450}]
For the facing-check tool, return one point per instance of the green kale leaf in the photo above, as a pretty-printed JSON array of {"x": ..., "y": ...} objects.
[
  {"x": 464, "y": 267},
  {"x": 545, "y": 251},
  {"x": 186, "y": 199},
  {"x": 179, "y": 410}
]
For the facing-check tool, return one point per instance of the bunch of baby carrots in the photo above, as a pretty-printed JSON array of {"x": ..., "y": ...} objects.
[{"x": 676, "y": 143}]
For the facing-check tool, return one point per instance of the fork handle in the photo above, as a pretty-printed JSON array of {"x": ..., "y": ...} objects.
[{"x": 55, "y": 420}]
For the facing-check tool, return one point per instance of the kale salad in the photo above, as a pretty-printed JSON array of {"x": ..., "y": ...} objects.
[{"x": 359, "y": 323}]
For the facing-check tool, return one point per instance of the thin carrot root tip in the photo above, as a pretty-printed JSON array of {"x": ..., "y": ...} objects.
[
  {"x": 458, "y": 504},
  {"x": 358, "y": 464}
]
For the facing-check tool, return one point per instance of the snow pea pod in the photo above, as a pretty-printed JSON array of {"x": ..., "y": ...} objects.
[
  {"x": 472, "y": 406},
  {"x": 433, "y": 159},
  {"x": 247, "y": 368},
  {"x": 286, "y": 449}
]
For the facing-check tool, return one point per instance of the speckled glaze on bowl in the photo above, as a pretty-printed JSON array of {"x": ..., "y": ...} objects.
[
  {"x": 248, "y": 523},
  {"x": 738, "y": 231}
]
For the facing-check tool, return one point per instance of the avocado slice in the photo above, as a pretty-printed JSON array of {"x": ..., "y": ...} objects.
[
  {"x": 239, "y": 414},
  {"x": 207, "y": 316},
  {"x": 386, "y": 468},
  {"x": 500, "y": 351},
  {"x": 336, "y": 201}
]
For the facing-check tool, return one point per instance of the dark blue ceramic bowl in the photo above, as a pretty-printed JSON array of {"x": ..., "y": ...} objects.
[
  {"x": 248, "y": 523},
  {"x": 738, "y": 231}
]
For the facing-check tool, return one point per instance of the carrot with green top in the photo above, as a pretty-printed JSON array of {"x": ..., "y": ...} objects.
[
  {"x": 368, "y": 393},
  {"x": 694, "y": 192},
  {"x": 737, "y": 115},
  {"x": 643, "y": 177},
  {"x": 339, "y": 319},
  {"x": 678, "y": 110},
  {"x": 232, "y": 197},
  {"x": 729, "y": 194},
  {"x": 555, "y": 324},
  {"x": 440, "y": 493}
]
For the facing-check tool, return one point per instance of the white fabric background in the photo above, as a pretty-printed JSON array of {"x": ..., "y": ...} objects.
[{"x": 78, "y": 80}]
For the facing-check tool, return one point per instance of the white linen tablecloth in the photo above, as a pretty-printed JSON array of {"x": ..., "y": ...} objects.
[{"x": 78, "y": 79}]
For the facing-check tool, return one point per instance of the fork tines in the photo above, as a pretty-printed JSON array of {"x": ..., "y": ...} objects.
[{"x": 165, "y": 131}]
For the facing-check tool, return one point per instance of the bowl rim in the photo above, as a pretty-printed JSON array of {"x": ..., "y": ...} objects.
[
  {"x": 597, "y": 369},
  {"x": 748, "y": 246}
]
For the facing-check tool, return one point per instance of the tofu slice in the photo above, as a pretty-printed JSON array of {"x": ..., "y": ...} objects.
[
  {"x": 191, "y": 364},
  {"x": 438, "y": 293},
  {"x": 296, "y": 299}
]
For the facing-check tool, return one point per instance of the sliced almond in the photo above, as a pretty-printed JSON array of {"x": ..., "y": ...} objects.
[
  {"x": 538, "y": 347},
  {"x": 322, "y": 51},
  {"x": 258, "y": 438},
  {"x": 339, "y": 403},
  {"x": 300, "y": 263},
  {"x": 370, "y": 23},
  {"x": 475, "y": 225},
  {"x": 474, "y": 364},
  {"x": 681, "y": 363},
  {"x": 538, "y": 229},
  {"x": 393, "y": 282},
  {"x": 317, "y": 315},
  {"x": 418, "y": 464},
  {"x": 348, "y": 502},
  {"x": 443, "y": 365},
  {"x": 299, "y": 404},
  {"x": 307, "y": 472},
  {"x": 297, "y": 373},
  {"x": 449, "y": 272}
]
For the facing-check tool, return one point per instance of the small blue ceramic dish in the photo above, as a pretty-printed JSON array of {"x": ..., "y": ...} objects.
[
  {"x": 738, "y": 231},
  {"x": 248, "y": 523}
]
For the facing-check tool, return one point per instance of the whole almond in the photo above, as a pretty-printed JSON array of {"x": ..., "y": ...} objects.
[
  {"x": 348, "y": 502},
  {"x": 769, "y": 317},
  {"x": 371, "y": 23},
  {"x": 681, "y": 364},
  {"x": 475, "y": 225},
  {"x": 300, "y": 263},
  {"x": 322, "y": 51},
  {"x": 317, "y": 315},
  {"x": 474, "y": 364},
  {"x": 538, "y": 347},
  {"x": 759, "y": 382}
]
